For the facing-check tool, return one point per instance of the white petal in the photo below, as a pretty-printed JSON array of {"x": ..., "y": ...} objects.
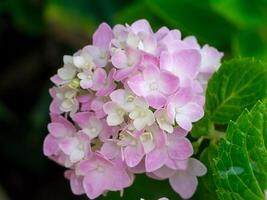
[{"x": 113, "y": 119}]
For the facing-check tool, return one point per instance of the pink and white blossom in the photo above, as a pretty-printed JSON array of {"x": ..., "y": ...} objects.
[{"x": 125, "y": 104}]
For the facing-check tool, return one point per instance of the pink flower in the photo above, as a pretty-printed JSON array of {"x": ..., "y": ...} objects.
[
  {"x": 64, "y": 100},
  {"x": 105, "y": 85},
  {"x": 97, "y": 106},
  {"x": 76, "y": 147},
  {"x": 90, "y": 79},
  {"x": 168, "y": 146},
  {"x": 59, "y": 129},
  {"x": 96, "y": 54},
  {"x": 90, "y": 125},
  {"x": 184, "y": 181},
  {"x": 75, "y": 182},
  {"x": 124, "y": 105},
  {"x": 181, "y": 108},
  {"x": 184, "y": 64},
  {"x": 100, "y": 175},
  {"x": 154, "y": 84},
  {"x": 133, "y": 151},
  {"x": 126, "y": 61},
  {"x": 124, "y": 98}
]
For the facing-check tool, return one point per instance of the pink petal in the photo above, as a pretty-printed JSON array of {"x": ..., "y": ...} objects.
[
  {"x": 50, "y": 146},
  {"x": 156, "y": 100},
  {"x": 155, "y": 159},
  {"x": 210, "y": 59},
  {"x": 179, "y": 148},
  {"x": 76, "y": 184},
  {"x": 182, "y": 97},
  {"x": 163, "y": 31},
  {"x": 57, "y": 80},
  {"x": 60, "y": 119},
  {"x": 123, "y": 73},
  {"x": 184, "y": 184},
  {"x": 120, "y": 60},
  {"x": 183, "y": 121},
  {"x": 166, "y": 61},
  {"x": 193, "y": 111},
  {"x": 94, "y": 184},
  {"x": 68, "y": 145},
  {"x": 109, "y": 86},
  {"x": 136, "y": 84},
  {"x": 119, "y": 178},
  {"x": 54, "y": 106},
  {"x": 179, "y": 132},
  {"x": 99, "y": 78},
  {"x": 118, "y": 96},
  {"x": 133, "y": 155},
  {"x": 57, "y": 129},
  {"x": 196, "y": 168},
  {"x": 141, "y": 25},
  {"x": 151, "y": 73},
  {"x": 187, "y": 62},
  {"x": 192, "y": 42},
  {"x": 138, "y": 169},
  {"x": 85, "y": 84},
  {"x": 110, "y": 150},
  {"x": 168, "y": 82},
  {"x": 103, "y": 36},
  {"x": 82, "y": 118},
  {"x": 164, "y": 172}
]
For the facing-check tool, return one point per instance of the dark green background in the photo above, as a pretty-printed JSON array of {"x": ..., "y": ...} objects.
[{"x": 34, "y": 36}]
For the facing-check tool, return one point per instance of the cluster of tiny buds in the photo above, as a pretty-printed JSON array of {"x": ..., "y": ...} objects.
[{"x": 125, "y": 104}]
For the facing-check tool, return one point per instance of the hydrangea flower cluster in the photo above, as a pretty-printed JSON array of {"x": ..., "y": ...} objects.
[{"x": 124, "y": 106}]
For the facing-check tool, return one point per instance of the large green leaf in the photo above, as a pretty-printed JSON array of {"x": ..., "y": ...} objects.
[
  {"x": 196, "y": 18},
  {"x": 243, "y": 13},
  {"x": 240, "y": 168},
  {"x": 238, "y": 84}
]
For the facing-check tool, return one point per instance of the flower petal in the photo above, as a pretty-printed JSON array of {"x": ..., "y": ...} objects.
[
  {"x": 184, "y": 184},
  {"x": 103, "y": 36},
  {"x": 155, "y": 159}
]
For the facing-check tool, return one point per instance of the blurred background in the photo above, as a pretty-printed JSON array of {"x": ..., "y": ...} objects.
[{"x": 34, "y": 36}]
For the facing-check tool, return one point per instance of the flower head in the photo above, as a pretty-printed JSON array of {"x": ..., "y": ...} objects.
[{"x": 124, "y": 105}]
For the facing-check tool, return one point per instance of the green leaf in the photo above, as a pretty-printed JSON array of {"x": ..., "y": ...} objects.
[
  {"x": 251, "y": 43},
  {"x": 240, "y": 168},
  {"x": 238, "y": 84},
  {"x": 196, "y": 18},
  {"x": 242, "y": 13},
  {"x": 202, "y": 128}
]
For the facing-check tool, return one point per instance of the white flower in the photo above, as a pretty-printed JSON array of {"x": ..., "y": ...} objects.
[
  {"x": 141, "y": 115},
  {"x": 147, "y": 141},
  {"x": 115, "y": 113},
  {"x": 67, "y": 98},
  {"x": 68, "y": 71},
  {"x": 124, "y": 98},
  {"x": 163, "y": 120}
]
